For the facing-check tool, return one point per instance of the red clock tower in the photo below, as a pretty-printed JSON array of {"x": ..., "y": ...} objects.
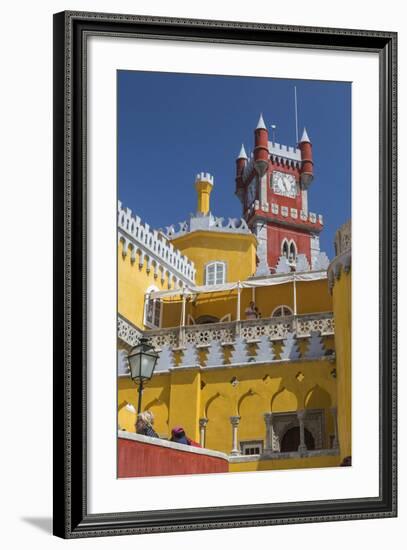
[{"x": 272, "y": 186}]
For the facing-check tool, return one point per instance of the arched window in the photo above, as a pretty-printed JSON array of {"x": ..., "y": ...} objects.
[
  {"x": 215, "y": 273},
  {"x": 289, "y": 250},
  {"x": 292, "y": 256},
  {"x": 284, "y": 249},
  {"x": 282, "y": 311},
  {"x": 152, "y": 309}
]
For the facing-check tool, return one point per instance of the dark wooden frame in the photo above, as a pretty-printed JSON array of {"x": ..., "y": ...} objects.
[{"x": 71, "y": 518}]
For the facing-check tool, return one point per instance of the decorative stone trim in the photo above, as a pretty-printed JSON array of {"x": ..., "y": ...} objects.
[
  {"x": 127, "y": 332},
  {"x": 211, "y": 223},
  {"x": 339, "y": 264},
  {"x": 153, "y": 247}
]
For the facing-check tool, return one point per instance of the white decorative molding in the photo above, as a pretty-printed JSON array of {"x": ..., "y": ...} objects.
[
  {"x": 343, "y": 259},
  {"x": 312, "y": 217},
  {"x": 217, "y": 336},
  {"x": 320, "y": 262},
  {"x": 315, "y": 346},
  {"x": 204, "y": 176},
  {"x": 239, "y": 353},
  {"x": 274, "y": 208},
  {"x": 208, "y": 222},
  {"x": 302, "y": 264},
  {"x": 165, "y": 359},
  {"x": 294, "y": 213},
  {"x": 284, "y": 211},
  {"x": 152, "y": 246},
  {"x": 128, "y": 332},
  {"x": 280, "y": 153},
  {"x": 264, "y": 350},
  {"x": 290, "y": 351},
  {"x": 282, "y": 265},
  {"x": 190, "y": 357},
  {"x": 215, "y": 355},
  {"x": 263, "y": 268}
]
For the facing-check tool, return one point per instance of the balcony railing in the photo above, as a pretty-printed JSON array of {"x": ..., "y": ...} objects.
[{"x": 276, "y": 328}]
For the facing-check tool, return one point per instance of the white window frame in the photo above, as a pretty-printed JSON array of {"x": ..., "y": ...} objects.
[
  {"x": 217, "y": 264},
  {"x": 156, "y": 323},
  {"x": 280, "y": 307},
  {"x": 291, "y": 246},
  {"x": 253, "y": 444}
]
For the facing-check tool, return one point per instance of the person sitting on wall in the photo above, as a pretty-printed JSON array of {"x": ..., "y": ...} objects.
[
  {"x": 178, "y": 435},
  {"x": 252, "y": 312},
  {"x": 144, "y": 424}
]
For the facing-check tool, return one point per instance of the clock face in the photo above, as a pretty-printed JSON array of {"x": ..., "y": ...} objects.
[
  {"x": 251, "y": 192},
  {"x": 284, "y": 184}
]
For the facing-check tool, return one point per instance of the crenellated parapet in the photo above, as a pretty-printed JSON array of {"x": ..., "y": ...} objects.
[
  {"x": 343, "y": 249},
  {"x": 152, "y": 248},
  {"x": 208, "y": 223},
  {"x": 286, "y": 214}
]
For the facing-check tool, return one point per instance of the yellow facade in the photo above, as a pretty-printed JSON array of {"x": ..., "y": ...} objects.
[
  {"x": 238, "y": 251},
  {"x": 184, "y": 396},
  {"x": 134, "y": 281},
  {"x": 341, "y": 284},
  {"x": 309, "y": 394}
]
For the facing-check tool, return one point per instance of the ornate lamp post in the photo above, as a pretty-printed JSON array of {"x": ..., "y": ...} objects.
[{"x": 142, "y": 360}]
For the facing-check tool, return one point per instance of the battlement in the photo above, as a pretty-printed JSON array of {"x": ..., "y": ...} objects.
[
  {"x": 284, "y": 151},
  {"x": 285, "y": 212},
  {"x": 204, "y": 176},
  {"x": 208, "y": 223},
  {"x": 153, "y": 247}
]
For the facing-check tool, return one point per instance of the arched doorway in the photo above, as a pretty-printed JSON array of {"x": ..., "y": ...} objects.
[{"x": 291, "y": 440}]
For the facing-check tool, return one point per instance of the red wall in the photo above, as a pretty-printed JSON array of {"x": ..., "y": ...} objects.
[
  {"x": 137, "y": 459},
  {"x": 275, "y": 236}
]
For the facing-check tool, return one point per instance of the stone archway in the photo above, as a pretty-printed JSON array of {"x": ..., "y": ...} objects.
[{"x": 291, "y": 440}]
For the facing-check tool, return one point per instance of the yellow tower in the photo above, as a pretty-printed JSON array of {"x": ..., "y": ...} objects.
[
  {"x": 339, "y": 276},
  {"x": 203, "y": 186}
]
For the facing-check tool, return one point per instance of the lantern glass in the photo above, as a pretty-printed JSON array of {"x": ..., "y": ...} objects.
[{"x": 142, "y": 360}]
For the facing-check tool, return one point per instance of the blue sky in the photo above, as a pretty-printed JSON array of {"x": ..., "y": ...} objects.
[{"x": 172, "y": 126}]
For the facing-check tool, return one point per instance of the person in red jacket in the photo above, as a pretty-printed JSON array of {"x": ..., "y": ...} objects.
[{"x": 178, "y": 435}]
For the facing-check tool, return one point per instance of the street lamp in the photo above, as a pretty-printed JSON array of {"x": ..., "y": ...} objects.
[{"x": 142, "y": 360}]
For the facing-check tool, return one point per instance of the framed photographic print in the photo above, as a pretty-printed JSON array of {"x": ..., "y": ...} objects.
[{"x": 225, "y": 274}]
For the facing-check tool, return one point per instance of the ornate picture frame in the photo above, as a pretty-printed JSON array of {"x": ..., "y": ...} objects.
[{"x": 71, "y": 207}]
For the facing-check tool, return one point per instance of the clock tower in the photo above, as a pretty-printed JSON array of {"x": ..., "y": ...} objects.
[{"x": 272, "y": 185}]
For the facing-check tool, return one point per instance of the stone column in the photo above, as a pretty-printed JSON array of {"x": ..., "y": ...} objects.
[
  {"x": 334, "y": 412},
  {"x": 234, "y": 420},
  {"x": 302, "y": 446},
  {"x": 268, "y": 419},
  {"x": 202, "y": 431}
]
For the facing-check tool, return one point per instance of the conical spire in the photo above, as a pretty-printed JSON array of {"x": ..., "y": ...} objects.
[
  {"x": 260, "y": 124},
  {"x": 242, "y": 154},
  {"x": 305, "y": 137}
]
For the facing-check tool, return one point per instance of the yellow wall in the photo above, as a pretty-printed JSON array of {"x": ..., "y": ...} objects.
[
  {"x": 285, "y": 464},
  {"x": 184, "y": 396},
  {"x": 133, "y": 282},
  {"x": 343, "y": 334},
  {"x": 238, "y": 251}
]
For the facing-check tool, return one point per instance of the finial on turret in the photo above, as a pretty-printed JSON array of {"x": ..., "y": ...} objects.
[
  {"x": 305, "y": 138},
  {"x": 260, "y": 124},
  {"x": 242, "y": 154}
]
